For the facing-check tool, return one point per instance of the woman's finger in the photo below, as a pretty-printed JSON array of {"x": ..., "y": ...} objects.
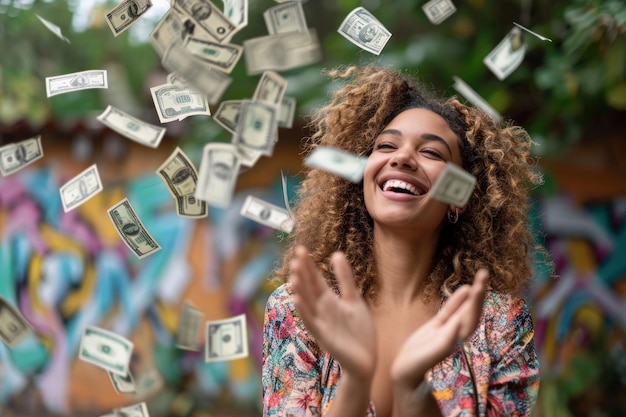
[
  {"x": 453, "y": 303},
  {"x": 345, "y": 277},
  {"x": 472, "y": 308},
  {"x": 316, "y": 284}
]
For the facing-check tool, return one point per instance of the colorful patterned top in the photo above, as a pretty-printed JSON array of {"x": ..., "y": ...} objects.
[{"x": 495, "y": 373}]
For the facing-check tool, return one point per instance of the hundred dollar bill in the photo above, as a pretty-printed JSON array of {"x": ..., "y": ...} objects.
[
  {"x": 53, "y": 28},
  {"x": 337, "y": 161},
  {"x": 237, "y": 12},
  {"x": 507, "y": 55},
  {"x": 80, "y": 188},
  {"x": 105, "y": 349},
  {"x": 281, "y": 52},
  {"x": 169, "y": 29},
  {"x": 123, "y": 384},
  {"x": 16, "y": 156},
  {"x": 189, "y": 328},
  {"x": 266, "y": 213},
  {"x": 13, "y": 326},
  {"x": 76, "y": 81},
  {"x": 226, "y": 339},
  {"x": 257, "y": 127},
  {"x": 287, "y": 112},
  {"x": 473, "y": 97},
  {"x": 438, "y": 10},
  {"x": 176, "y": 102},
  {"x": 218, "y": 173},
  {"x": 454, "y": 186},
  {"x": 270, "y": 88},
  {"x": 285, "y": 18},
  {"x": 125, "y": 14},
  {"x": 180, "y": 178},
  {"x": 543, "y": 38},
  {"x": 126, "y": 125},
  {"x": 223, "y": 57},
  {"x": 174, "y": 78},
  {"x": 135, "y": 410},
  {"x": 131, "y": 229},
  {"x": 365, "y": 31},
  {"x": 227, "y": 114},
  {"x": 207, "y": 16}
]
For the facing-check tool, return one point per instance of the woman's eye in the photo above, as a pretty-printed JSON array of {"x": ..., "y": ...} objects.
[
  {"x": 432, "y": 153},
  {"x": 384, "y": 146}
]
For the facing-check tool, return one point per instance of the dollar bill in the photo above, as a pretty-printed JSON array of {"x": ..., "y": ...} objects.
[
  {"x": 177, "y": 102},
  {"x": 226, "y": 339},
  {"x": 507, "y": 56},
  {"x": 126, "y": 125},
  {"x": 180, "y": 177},
  {"x": 13, "y": 326},
  {"x": 53, "y": 28},
  {"x": 237, "y": 12},
  {"x": 337, "y": 161},
  {"x": 207, "y": 16},
  {"x": 174, "y": 78},
  {"x": 281, "y": 52},
  {"x": 149, "y": 382},
  {"x": 227, "y": 114},
  {"x": 105, "y": 349},
  {"x": 473, "y": 97},
  {"x": 287, "y": 112},
  {"x": 16, "y": 156},
  {"x": 131, "y": 229},
  {"x": 257, "y": 127},
  {"x": 76, "y": 81},
  {"x": 438, "y": 10},
  {"x": 123, "y": 384},
  {"x": 125, "y": 14},
  {"x": 135, "y": 410},
  {"x": 285, "y": 18},
  {"x": 538, "y": 36},
  {"x": 218, "y": 173},
  {"x": 365, "y": 31},
  {"x": 454, "y": 185},
  {"x": 189, "y": 328},
  {"x": 170, "y": 28},
  {"x": 223, "y": 57},
  {"x": 266, "y": 213},
  {"x": 80, "y": 188},
  {"x": 270, "y": 89}
]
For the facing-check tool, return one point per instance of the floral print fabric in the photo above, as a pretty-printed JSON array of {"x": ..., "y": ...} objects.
[{"x": 494, "y": 373}]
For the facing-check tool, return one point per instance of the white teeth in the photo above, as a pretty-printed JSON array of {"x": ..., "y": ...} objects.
[{"x": 400, "y": 184}]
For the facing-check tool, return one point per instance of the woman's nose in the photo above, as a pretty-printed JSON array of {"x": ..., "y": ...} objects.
[{"x": 403, "y": 159}]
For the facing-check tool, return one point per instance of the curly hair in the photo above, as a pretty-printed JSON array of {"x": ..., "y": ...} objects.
[{"x": 493, "y": 232}]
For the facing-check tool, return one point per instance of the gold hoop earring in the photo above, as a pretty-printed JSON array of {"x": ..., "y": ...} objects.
[{"x": 453, "y": 216}]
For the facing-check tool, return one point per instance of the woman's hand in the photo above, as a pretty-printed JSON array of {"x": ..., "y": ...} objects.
[{"x": 341, "y": 325}]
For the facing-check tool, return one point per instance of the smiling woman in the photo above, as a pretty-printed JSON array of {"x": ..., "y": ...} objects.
[{"x": 396, "y": 303}]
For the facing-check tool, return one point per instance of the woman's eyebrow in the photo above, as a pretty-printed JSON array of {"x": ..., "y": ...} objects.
[{"x": 426, "y": 136}]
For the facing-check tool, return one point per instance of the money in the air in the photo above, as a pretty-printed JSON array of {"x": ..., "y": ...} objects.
[
  {"x": 454, "y": 186},
  {"x": 287, "y": 112},
  {"x": 507, "y": 55},
  {"x": 13, "y": 326},
  {"x": 218, "y": 174},
  {"x": 177, "y": 102},
  {"x": 16, "y": 156},
  {"x": 285, "y": 18},
  {"x": 80, "y": 188},
  {"x": 135, "y": 410},
  {"x": 257, "y": 127},
  {"x": 131, "y": 229},
  {"x": 266, "y": 213},
  {"x": 438, "y": 10},
  {"x": 53, "y": 28},
  {"x": 76, "y": 81},
  {"x": 473, "y": 97},
  {"x": 126, "y": 125},
  {"x": 222, "y": 56},
  {"x": 271, "y": 88},
  {"x": 227, "y": 114},
  {"x": 125, "y": 14},
  {"x": 226, "y": 339},
  {"x": 123, "y": 384},
  {"x": 337, "y": 161},
  {"x": 106, "y": 349},
  {"x": 365, "y": 31},
  {"x": 189, "y": 328}
]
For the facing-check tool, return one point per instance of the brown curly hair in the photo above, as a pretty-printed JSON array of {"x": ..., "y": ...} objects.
[{"x": 492, "y": 233}]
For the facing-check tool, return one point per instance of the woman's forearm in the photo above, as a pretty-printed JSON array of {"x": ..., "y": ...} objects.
[{"x": 353, "y": 397}]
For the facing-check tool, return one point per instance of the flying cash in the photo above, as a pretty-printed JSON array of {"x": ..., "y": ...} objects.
[
  {"x": 266, "y": 213},
  {"x": 76, "y": 81},
  {"x": 53, "y": 28},
  {"x": 257, "y": 127},
  {"x": 538, "y": 36},
  {"x": 438, "y": 10},
  {"x": 149, "y": 382},
  {"x": 125, "y": 14},
  {"x": 80, "y": 188},
  {"x": 227, "y": 114},
  {"x": 454, "y": 186},
  {"x": 222, "y": 56},
  {"x": 105, "y": 349},
  {"x": 189, "y": 328},
  {"x": 237, "y": 12},
  {"x": 208, "y": 17},
  {"x": 287, "y": 112},
  {"x": 365, "y": 31},
  {"x": 169, "y": 29},
  {"x": 16, "y": 156},
  {"x": 473, "y": 97},
  {"x": 285, "y": 18},
  {"x": 13, "y": 326},
  {"x": 507, "y": 55},
  {"x": 177, "y": 102},
  {"x": 123, "y": 384},
  {"x": 131, "y": 229},
  {"x": 226, "y": 339},
  {"x": 337, "y": 161},
  {"x": 270, "y": 89},
  {"x": 135, "y": 410},
  {"x": 126, "y": 125},
  {"x": 218, "y": 173}
]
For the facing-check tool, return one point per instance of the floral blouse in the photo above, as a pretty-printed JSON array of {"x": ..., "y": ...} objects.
[{"x": 494, "y": 373}]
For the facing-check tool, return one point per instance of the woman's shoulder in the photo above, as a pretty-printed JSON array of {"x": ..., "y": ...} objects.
[
  {"x": 503, "y": 305},
  {"x": 281, "y": 297}
]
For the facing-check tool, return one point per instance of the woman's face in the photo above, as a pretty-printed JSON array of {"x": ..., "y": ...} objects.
[{"x": 407, "y": 158}]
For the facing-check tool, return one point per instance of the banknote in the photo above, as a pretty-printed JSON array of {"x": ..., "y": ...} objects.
[
  {"x": 131, "y": 229},
  {"x": 237, "y": 12},
  {"x": 218, "y": 173},
  {"x": 53, "y": 28},
  {"x": 207, "y": 16},
  {"x": 281, "y": 52},
  {"x": 365, "y": 31},
  {"x": 337, "y": 161},
  {"x": 222, "y": 56},
  {"x": 454, "y": 185},
  {"x": 174, "y": 78},
  {"x": 135, "y": 410},
  {"x": 189, "y": 328},
  {"x": 105, "y": 349},
  {"x": 438, "y": 10},
  {"x": 538, "y": 36},
  {"x": 125, "y": 14},
  {"x": 270, "y": 89},
  {"x": 80, "y": 188},
  {"x": 16, "y": 156},
  {"x": 13, "y": 326},
  {"x": 76, "y": 81},
  {"x": 507, "y": 56},
  {"x": 226, "y": 339},
  {"x": 287, "y": 112},
  {"x": 180, "y": 177},
  {"x": 285, "y": 18},
  {"x": 123, "y": 384},
  {"x": 227, "y": 114},
  {"x": 149, "y": 383},
  {"x": 266, "y": 213},
  {"x": 473, "y": 97},
  {"x": 257, "y": 127},
  {"x": 170, "y": 28},
  {"x": 126, "y": 125},
  {"x": 177, "y": 102}
]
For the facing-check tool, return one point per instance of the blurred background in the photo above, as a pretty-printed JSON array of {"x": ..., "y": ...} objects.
[{"x": 64, "y": 271}]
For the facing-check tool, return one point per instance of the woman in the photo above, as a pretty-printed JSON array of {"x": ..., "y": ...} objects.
[{"x": 429, "y": 320}]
